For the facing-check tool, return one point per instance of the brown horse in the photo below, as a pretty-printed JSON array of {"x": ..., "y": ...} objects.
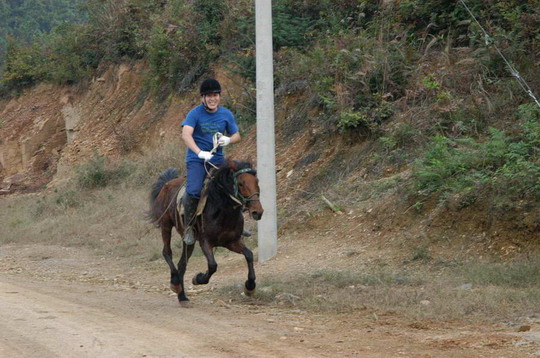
[{"x": 232, "y": 189}]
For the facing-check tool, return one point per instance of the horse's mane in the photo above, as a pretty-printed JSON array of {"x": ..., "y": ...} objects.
[{"x": 222, "y": 182}]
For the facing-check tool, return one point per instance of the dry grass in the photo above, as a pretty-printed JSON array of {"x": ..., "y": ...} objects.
[
  {"x": 422, "y": 292},
  {"x": 109, "y": 220}
]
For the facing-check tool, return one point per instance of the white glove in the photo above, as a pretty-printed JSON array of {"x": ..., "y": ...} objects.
[
  {"x": 224, "y": 140},
  {"x": 205, "y": 155}
]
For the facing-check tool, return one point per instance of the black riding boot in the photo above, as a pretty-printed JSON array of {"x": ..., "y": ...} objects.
[{"x": 190, "y": 208}]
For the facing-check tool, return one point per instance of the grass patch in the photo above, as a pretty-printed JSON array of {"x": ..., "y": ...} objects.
[
  {"x": 421, "y": 253},
  {"x": 104, "y": 209},
  {"x": 521, "y": 274},
  {"x": 479, "y": 291},
  {"x": 98, "y": 173}
]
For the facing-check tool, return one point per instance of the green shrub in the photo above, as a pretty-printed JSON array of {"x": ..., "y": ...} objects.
[
  {"x": 421, "y": 253},
  {"x": 509, "y": 17},
  {"x": 355, "y": 120},
  {"x": 456, "y": 165},
  {"x": 99, "y": 173},
  {"x": 184, "y": 42},
  {"x": 290, "y": 29},
  {"x": 119, "y": 28},
  {"x": 73, "y": 54},
  {"x": 24, "y": 66},
  {"x": 509, "y": 166},
  {"x": 355, "y": 75}
]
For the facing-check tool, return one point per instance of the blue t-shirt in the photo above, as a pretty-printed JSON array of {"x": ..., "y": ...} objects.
[{"x": 205, "y": 125}]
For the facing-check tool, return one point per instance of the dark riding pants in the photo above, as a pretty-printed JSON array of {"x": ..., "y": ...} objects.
[{"x": 195, "y": 177}]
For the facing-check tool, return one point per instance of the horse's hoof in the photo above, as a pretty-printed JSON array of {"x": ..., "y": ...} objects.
[
  {"x": 198, "y": 279},
  {"x": 249, "y": 288},
  {"x": 175, "y": 288}
]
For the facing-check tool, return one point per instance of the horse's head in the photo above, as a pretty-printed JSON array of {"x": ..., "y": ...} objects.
[{"x": 247, "y": 188}]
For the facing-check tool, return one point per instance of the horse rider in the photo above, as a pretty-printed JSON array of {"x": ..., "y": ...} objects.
[{"x": 198, "y": 129}]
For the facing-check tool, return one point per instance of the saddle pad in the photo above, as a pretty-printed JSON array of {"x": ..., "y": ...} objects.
[
  {"x": 179, "y": 196},
  {"x": 180, "y": 206}
]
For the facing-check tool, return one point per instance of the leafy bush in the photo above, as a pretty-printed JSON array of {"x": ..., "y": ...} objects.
[
  {"x": 509, "y": 17},
  {"x": 184, "y": 42},
  {"x": 97, "y": 173},
  {"x": 509, "y": 166},
  {"x": 73, "y": 54},
  {"x": 354, "y": 120},
  {"x": 120, "y": 27},
  {"x": 24, "y": 66},
  {"x": 290, "y": 29},
  {"x": 354, "y": 75}
]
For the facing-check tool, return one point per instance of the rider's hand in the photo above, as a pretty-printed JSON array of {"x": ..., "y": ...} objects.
[
  {"x": 224, "y": 140},
  {"x": 205, "y": 155}
]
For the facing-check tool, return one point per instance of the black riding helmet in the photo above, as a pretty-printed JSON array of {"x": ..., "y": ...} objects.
[{"x": 210, "y": 85}]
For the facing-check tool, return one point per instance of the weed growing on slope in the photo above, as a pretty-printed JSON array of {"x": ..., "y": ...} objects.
[{"x": 507, "y": 165}]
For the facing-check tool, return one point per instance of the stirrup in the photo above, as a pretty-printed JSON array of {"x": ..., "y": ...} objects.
[{"x": 189, "y": 236}]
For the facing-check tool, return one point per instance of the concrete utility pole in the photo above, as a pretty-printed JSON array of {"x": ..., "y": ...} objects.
[{"x": 266, "y": 159}]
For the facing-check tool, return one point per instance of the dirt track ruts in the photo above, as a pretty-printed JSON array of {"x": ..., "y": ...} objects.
[{"x": 66, "y": 321}]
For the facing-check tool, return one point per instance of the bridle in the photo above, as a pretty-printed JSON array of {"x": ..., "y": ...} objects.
[{"x": 238, "y": 197}]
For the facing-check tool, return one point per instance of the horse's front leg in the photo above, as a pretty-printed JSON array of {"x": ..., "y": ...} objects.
[
  {"x": 240, "y": 247},
  {"x": 187, "y": 250},
  {"x": 167, "y": 254},
  {"x": 204, "y": 278}
]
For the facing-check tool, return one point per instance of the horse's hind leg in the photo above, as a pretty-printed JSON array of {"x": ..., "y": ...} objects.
[
  {"x": 240, "y": 247},
  {"x": 167, "y": 254},
  {"x": 204, "y": 278},
  {"x": 187, "y": 250}
]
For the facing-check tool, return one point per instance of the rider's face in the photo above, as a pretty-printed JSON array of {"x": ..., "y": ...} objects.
[{"x": 212, "y": 101}]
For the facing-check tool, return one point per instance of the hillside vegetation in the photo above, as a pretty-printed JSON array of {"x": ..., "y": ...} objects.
[
  {"x": 410, "y": 92},
  {"x": 27, "y": 21}
]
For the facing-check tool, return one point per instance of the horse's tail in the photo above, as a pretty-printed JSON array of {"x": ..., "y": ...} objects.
[{"x": 155, "y": 212}]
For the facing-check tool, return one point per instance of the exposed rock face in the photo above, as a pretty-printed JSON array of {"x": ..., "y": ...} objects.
[
  {"x": 71, "y": 118},
  {"x": 51, "y": 129},
  {"x": 32, "y": 133}
]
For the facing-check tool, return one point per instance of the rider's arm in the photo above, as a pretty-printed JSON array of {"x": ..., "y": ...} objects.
[
  {"x": 235, "y": 138},
  {"x": 187, "y": 137}
]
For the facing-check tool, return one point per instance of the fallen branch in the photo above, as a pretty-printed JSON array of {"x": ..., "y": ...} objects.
[{"x": 333, "y": 207}]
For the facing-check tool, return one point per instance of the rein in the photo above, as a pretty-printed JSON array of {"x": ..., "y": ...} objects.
[{"x": 215, "y": 139}]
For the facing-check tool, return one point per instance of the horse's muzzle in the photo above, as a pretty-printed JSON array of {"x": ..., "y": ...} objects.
[{"x": 256, "y": 215}]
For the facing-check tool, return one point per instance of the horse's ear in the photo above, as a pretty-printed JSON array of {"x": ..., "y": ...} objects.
[{"x": 232, "y": 164}]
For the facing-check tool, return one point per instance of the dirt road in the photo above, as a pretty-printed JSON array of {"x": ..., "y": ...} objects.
[
  {"x": 65, "y": 302},
  {"x": 69, "y": 321}
]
